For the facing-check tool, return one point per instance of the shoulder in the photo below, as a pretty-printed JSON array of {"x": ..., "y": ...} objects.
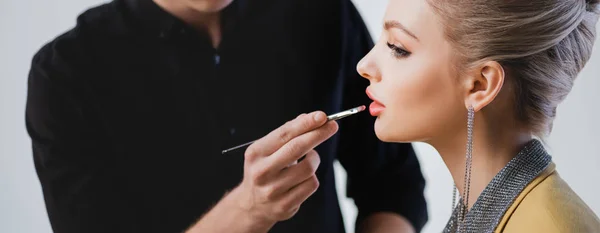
[
  {"x": 74, "y": 49},
  {"x": 93, "y": 25},
  {"x": 552, "y": 206}
]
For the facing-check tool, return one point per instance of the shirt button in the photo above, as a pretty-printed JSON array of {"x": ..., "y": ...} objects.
[
  {"x": 232, "y": 131},
  {"x": 217, "y": 59}
]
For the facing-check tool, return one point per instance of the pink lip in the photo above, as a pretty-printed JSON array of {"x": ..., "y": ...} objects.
[{"x": 376, "y": 107}]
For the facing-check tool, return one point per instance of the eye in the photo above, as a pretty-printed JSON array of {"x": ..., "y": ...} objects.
[{"x": 398, "y": 52}]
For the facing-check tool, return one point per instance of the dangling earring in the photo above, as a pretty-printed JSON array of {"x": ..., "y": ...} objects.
[{"x": 462, "y": 212}]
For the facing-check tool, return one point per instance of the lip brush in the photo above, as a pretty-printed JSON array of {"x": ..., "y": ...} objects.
[{"x": 332, "y": 117}]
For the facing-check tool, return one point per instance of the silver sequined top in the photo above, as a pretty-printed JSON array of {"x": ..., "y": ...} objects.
[{"x": 504, "y": 188}]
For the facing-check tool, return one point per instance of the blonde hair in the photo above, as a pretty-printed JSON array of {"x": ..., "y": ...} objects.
[{"x": 541, "y": 44}]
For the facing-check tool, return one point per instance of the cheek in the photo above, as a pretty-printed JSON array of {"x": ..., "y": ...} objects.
[{"x": 419, "y": 97}]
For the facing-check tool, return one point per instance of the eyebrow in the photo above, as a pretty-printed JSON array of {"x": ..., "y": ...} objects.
[{"x": 396, "y": 24}]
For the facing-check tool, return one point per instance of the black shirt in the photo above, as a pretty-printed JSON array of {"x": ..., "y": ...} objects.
[{"x": 129, "y": 111}]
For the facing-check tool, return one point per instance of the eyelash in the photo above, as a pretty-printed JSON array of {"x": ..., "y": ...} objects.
[{"x": 397, "y": 51}]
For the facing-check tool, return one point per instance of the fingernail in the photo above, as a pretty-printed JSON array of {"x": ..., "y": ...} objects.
[{"x": 319, "y": 116}]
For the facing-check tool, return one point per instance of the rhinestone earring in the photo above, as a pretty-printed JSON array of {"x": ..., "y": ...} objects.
[{"x": 463, "y": 209}]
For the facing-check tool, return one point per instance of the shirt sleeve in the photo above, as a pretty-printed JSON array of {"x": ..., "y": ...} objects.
[
  {"x": 382, "y": 177},
  {"x": 78, "y": 173}
]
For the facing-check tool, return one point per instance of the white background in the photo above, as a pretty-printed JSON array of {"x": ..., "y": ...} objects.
[{"x": 25, "y": 25}]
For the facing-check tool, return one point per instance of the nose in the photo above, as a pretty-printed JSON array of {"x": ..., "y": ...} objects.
[{"x": 367, "y": 68}]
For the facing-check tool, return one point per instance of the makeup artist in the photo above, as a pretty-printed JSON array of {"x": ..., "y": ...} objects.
[{"x": 128, "y": 113}]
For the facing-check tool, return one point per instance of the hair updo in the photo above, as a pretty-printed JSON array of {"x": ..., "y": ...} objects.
[{"x": 541, "y": 44}]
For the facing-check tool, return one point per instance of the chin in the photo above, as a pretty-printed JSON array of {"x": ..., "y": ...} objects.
[
  {"x": 383, "y": 137},
  {"x": 382, "y": 132},
  {"x": 212, "y": 6},
  {"x": 387, "y": 133}
]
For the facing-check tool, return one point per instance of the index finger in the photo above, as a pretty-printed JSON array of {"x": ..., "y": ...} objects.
[{"x": 282, "y": 135}]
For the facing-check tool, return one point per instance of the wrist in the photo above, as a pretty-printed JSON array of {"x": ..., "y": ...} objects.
[
  {"x": 230, "y": 215},
  {"x": 243, "y": 208}
]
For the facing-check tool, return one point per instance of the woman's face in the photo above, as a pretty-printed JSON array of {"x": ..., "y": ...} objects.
[{"x": 417, "y": 94}]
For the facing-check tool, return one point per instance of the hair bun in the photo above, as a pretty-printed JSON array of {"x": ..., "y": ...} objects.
[{"x": 592, "y": 5}]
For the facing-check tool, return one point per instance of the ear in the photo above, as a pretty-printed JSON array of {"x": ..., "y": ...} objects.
[{"x": 484, "y": 84}]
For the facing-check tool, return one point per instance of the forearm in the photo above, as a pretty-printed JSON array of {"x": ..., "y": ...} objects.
[
  {"x": 385, "y": 222},
  {"x": 228, "y": 216}
]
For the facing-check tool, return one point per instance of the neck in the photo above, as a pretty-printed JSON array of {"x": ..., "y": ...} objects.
[
  {"x": 210, "y": 22},
  {"x": 494, "y": 145}
]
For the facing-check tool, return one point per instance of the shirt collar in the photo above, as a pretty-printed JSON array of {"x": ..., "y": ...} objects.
[{"x": 155, "y": 19}]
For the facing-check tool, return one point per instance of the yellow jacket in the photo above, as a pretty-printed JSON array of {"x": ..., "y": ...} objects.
[{"x": 548, "y": 205}]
